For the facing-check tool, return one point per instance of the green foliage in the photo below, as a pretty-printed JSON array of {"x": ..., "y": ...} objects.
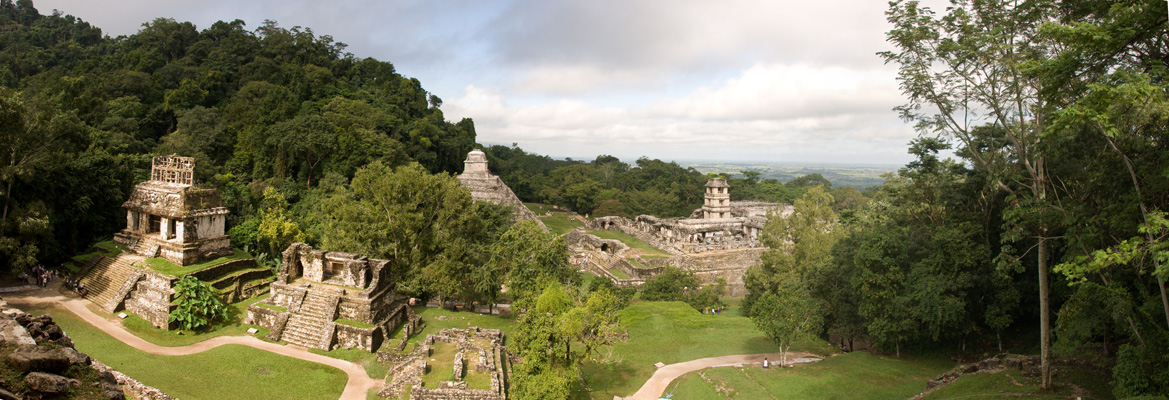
[
  {"x": 1139, "y": 372},
  {"x": 276, "y": 230},
  {"x": 674, "y": 284},
  {"x": 525, "y": 258},
  {"x": 787, "y": 315},
  {"x": 798, "y": 245},
  {"x": 196, "y": 305},
  {"x": 546, "y": 333}
]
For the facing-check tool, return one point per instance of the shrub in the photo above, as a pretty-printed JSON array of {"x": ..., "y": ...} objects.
[{"x": 197, "y": 305}]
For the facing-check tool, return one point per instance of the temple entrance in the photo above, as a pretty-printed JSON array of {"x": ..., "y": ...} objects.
[
  {"x": 333, "y": 268},
  {"x": 155, "y": 224}
]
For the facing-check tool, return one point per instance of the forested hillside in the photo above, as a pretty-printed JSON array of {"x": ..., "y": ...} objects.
[
  {"x": 257, "y": 107},
  {"x": 266, "y": 107}
]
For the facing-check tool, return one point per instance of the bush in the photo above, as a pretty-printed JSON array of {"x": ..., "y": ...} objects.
[
  {"x": 196, "y": 304},
  {"x": 674, "y": 284},
  {"x": 1139, "y": 372}
]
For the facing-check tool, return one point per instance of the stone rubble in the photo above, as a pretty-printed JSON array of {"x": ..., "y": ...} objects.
[{"x": 43, "y": 351}]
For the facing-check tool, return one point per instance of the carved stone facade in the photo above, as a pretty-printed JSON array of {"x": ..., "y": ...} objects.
[
  {"x": 490, "y": 188},
  {"x": 327, "y": 300},
  {"x": 171, "y": 217}
]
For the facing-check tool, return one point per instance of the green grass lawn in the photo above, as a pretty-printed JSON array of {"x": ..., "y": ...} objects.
[
  {"x": 540, "y": 209},
  {"x": 225, "y": 372},
  {"x": 632, "y": 242},
  {"x": 856, "y": 375},
  {"x": 619, "y": 273},
  {"x": 437, "y": 319},
  {"x": 440, "y": 365},
  {"x": 233, "y": 325},
  {"x": 561, "y": 223},
  {"x": 174, "y": 270},
  {"x": 672, "y": 332}
]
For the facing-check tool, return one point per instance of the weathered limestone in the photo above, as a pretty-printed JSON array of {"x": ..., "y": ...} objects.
[
  {"x": 490, "y": 188},
  {"x": 327, "y": 300},
  {"x": 44, "y": 354},
  {"x": 169, "y": 216}
]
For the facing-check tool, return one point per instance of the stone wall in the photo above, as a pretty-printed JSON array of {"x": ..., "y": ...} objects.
[
  {"x": 421, "y": 393},
  {"x": 264, "y": 317},
  {"x": 730, "y": 266},
  {"x": 578, "y": 237},
  {"x": 351, "y": 337},
  {"x": 151, "y": 299}
]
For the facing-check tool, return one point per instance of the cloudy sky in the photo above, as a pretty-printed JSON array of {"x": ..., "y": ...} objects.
[{"x": 731, "y": 80}]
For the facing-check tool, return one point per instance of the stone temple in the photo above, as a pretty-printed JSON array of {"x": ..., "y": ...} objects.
[
  {"x": 327, "y": 300},
  {"x": 169, "y": 216},
  {"x": 490, "y": 188},
  {"x": 719, "y": 240}
]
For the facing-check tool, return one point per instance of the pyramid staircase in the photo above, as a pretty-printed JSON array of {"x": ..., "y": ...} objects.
[
  {"x": 110, "y": 280},
  {"x": 311, "y": 325}
]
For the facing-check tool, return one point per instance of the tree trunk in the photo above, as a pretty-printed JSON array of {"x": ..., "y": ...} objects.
[
  {"x": 8, "y": 197},
  {"x": 1044, "y": 318},
  {"x": 1132, "y": 173},
  {"x": 999, "y": 335}
]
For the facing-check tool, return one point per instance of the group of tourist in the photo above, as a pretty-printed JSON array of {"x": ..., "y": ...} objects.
[
  {"x": 40, "y": 276},
  {"x": 712, "y": 310}
]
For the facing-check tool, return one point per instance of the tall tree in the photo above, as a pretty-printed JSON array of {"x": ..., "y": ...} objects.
[{"x": 968, "y": 69}]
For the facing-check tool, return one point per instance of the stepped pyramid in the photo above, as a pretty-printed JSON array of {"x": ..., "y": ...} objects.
[
  {"x": 110, "y": 280},
  {"x": 490, "y": 188}
]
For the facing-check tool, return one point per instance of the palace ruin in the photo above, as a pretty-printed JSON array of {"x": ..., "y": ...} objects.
[{"x": 719, "y": 240}]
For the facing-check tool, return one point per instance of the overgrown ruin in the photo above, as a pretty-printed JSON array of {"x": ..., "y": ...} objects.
[
  {"x": 327, "y": 300},
  {"x": 169, "y": 219},
  {"x": 479, "y": 361}
]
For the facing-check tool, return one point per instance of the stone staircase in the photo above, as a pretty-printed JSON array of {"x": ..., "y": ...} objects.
[
  {"x": 311, "y": 325},
  {"x": 111, "y": 279}
]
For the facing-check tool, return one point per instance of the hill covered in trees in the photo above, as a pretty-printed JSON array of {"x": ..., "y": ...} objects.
[{"x": 267, "y": 107}]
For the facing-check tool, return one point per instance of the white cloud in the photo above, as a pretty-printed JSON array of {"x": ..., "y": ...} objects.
[{"x": 794, "y": 112}]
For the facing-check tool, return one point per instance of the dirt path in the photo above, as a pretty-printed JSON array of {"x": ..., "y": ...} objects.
[
  {"x": 660, "y": 381},
  {"x": 358, "y": 385}
]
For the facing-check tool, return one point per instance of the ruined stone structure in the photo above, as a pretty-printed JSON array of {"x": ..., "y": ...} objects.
[
  {"x": 169, "y": 216},
  {"x": 479, "y": 351},
  {"x": 721, "y": 224},
  {"x": 327, "y": 300},
  {"x": 717, "y": 202},
  {"x": 490, "y": 188},
  {"x": 172, "y": 218},
  {"x": 719, "y": 240}
]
